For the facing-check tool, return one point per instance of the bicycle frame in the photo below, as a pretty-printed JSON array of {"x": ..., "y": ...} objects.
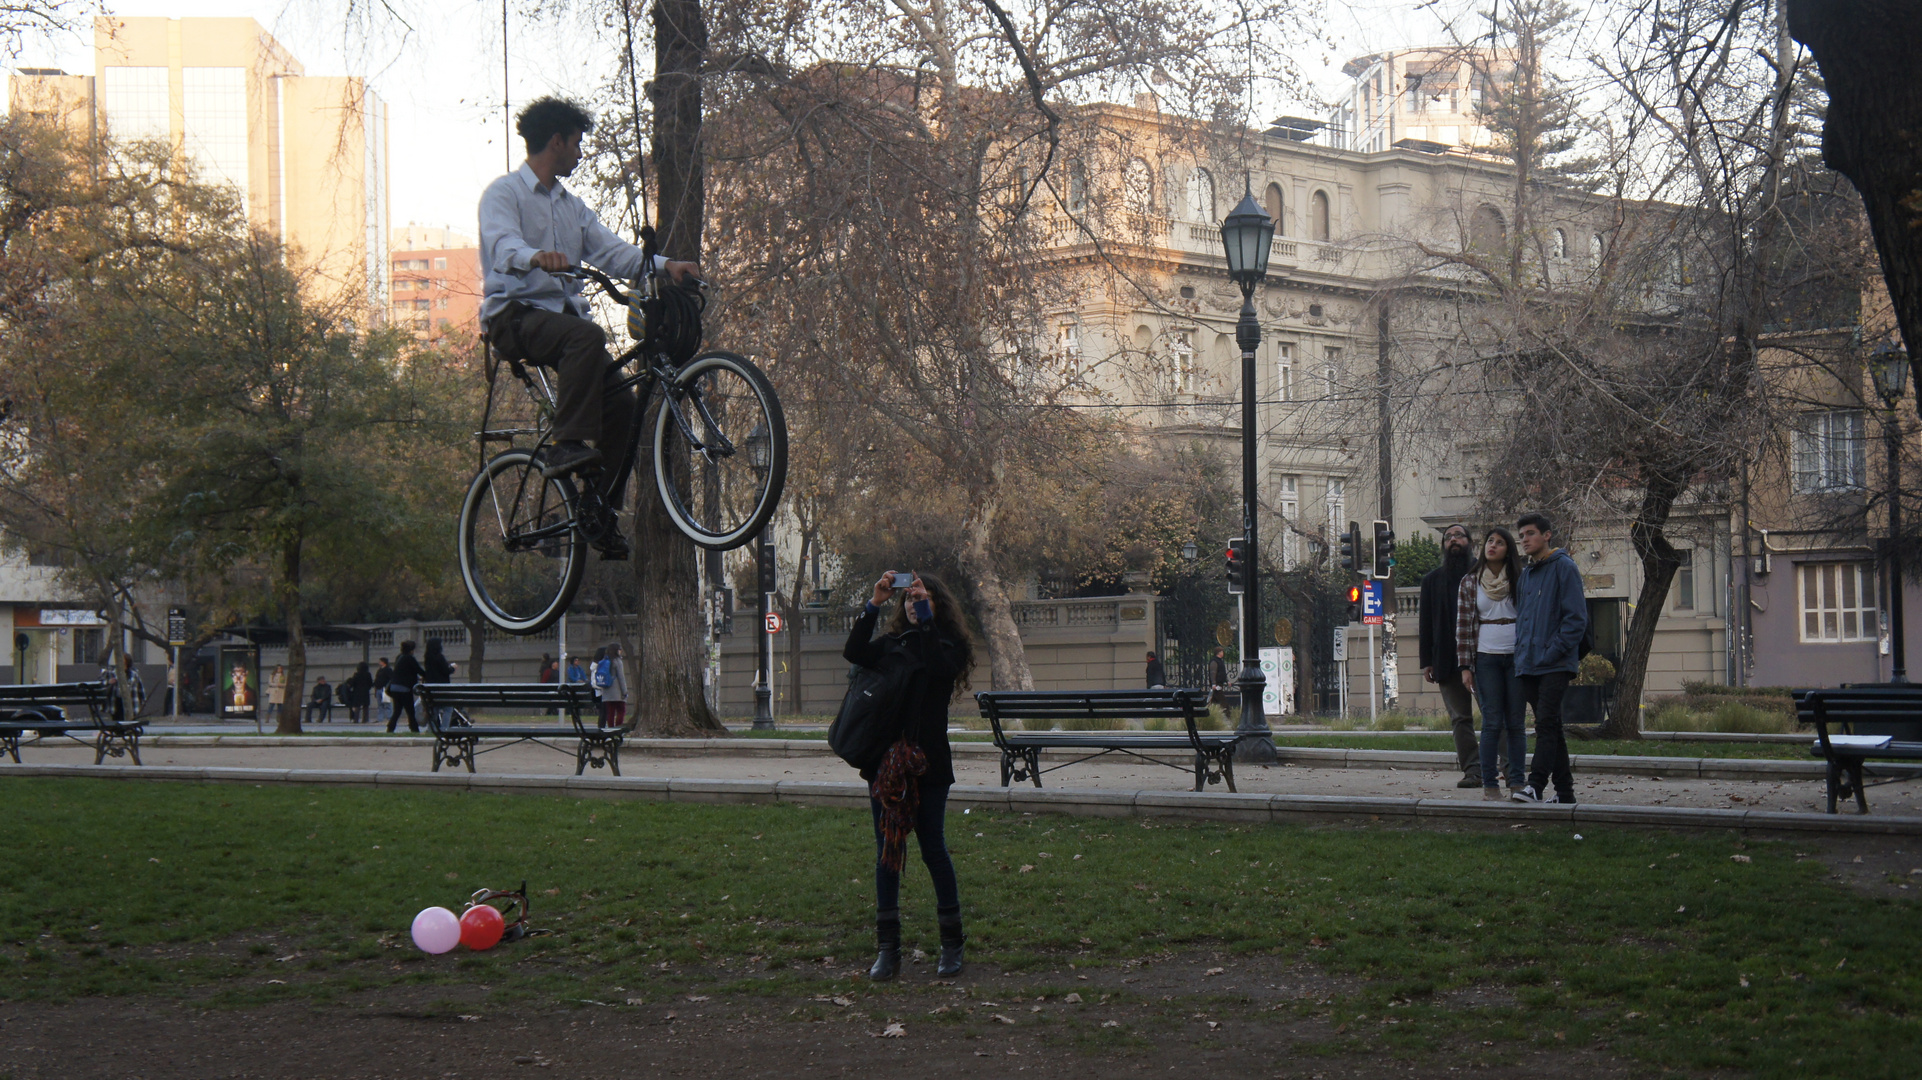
[{"x": 596, "y": 497}]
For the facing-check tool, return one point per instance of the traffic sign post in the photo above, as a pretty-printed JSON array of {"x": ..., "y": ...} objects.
[
  {"x": 774, "y": 623},
  {"x": 176, "y": 637}
]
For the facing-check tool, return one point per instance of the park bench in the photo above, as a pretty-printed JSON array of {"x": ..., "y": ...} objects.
[
  {"x": 1021, "y": 750},
  {"x": 44, "y": 710},
  {"x": 1856, "y": 724},
  {"x": 458, "y": 733}
]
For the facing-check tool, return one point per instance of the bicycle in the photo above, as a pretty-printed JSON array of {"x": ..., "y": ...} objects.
[{"x": 719, "y": 460}]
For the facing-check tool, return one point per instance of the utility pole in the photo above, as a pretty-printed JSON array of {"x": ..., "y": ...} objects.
[{"x": 1385, "y": 483}]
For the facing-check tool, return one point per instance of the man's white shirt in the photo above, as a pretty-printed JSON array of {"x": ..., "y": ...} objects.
[{"x": 518, "y": 221}]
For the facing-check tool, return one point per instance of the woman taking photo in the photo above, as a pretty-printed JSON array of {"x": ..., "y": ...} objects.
[
  {"x": 1485, "y": 647},
  {"x": 908, "y": 792}
]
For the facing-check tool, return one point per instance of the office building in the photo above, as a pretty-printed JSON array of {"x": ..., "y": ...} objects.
[
  {"x": 436, "y": 282},
  {"x": 307, "y": 154}
]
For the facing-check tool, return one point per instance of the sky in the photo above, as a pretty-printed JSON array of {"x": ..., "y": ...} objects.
[{"x": 441, "y": 78}]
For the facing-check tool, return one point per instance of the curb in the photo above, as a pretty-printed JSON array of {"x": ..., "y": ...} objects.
[
  {"x": 1195, "y": 806},
  {"x": 1666, "y": 768}
]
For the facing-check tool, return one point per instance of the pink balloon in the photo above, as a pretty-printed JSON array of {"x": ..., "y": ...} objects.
[{"x": 436, "y": 930}]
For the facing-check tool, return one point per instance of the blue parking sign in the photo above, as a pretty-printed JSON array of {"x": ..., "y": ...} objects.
[{"x": 1371, "y": 608}]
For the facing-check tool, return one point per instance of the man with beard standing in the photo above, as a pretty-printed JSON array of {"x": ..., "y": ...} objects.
[{"x": 1437, "y": 635}]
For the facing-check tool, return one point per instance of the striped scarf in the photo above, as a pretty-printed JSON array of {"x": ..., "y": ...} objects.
[{"x": 898, "y": 791}]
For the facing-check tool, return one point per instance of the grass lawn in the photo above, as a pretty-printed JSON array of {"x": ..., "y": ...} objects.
[{"x": 1685, "y": 952}]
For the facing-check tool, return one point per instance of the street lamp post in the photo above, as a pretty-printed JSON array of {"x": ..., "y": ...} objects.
[
  {"x": 1889, "y": 366},
  {"x": 1248, "y": 236}
]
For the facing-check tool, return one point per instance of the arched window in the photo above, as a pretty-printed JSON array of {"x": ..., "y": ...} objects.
[
  {"x": 1201, "y": 196},
  {"x": 1138, "y": 185},
  {"x": 1558, "y": 245},
  {"x": 1077, "y": 188},
  {"x": 1318, "y": 216},
  {"x": 1486, "y": 230},
  {"x": 1597, "y": 247},
  {"x": 1272, "y": 197}
]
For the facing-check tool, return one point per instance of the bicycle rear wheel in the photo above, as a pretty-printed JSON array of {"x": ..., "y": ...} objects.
[
  {"x": 720, "y": 450},
  {"x": 521, "y": 554}
]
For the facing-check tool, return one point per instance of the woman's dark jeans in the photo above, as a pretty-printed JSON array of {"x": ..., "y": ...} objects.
[
  {"x": 403, "y": 701},
  {"x": 929, "y": 822},
  {"x": 1504, "y": 716}
]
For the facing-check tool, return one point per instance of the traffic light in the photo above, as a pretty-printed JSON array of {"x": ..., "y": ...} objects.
[
  {"x": 1351, "y": 547},
  {"x": 764, "y": 556},
  {"x": 1354, "y": 603},
  {"x": 1384, "y": 550},
  {"x": 1237, "y": 566}
]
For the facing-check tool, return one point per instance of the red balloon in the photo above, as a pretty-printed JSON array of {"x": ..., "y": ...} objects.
[{"x": 481, "y": 927}]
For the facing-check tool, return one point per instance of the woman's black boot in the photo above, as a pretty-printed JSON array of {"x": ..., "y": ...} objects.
[
  {"x": 951, "y": 941},
  {"x": 887, "y": 933}
]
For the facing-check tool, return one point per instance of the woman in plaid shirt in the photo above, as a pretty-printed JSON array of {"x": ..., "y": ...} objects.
[{"x": 1485, "y": 648}]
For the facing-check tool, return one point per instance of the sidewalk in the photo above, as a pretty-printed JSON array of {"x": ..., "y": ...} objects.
[{"x": 1383, "y": 774}]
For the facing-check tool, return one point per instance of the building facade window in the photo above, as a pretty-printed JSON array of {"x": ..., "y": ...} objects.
[
  {"x": 88, "y": 644},
  {"x": 1067, "y": 345},
  {"x": 1284, "y": 372},
  {"x": 1597, "y": 247},
  {"x": 1558, "y": 245},
  {"x": 440, "y": 264},
  {"x": 1337, "y": 507},
  {"x": 1201, "y": 196},
  {"x": 1685, "y": 581},
  {"x": 1318, "y": 216},
  {"x": 1838, "y": 602},
  {"x": 1828, "y": 451},
  {"x": 1275, "y": 207},
  {"x": 1331, "y": 373},
  {"x": 1138, "y": 187},
  {"x": 1290, "y": 502},
  {"x": 1182, "y": 362},
  {"x": 136, "y": 102},
  {"x": 214, "y": 114}
]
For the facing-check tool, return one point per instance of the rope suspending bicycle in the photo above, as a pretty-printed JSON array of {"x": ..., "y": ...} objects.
[{"x": 719, "y": 457}]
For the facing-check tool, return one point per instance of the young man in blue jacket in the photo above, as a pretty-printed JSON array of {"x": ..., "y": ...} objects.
[{"x": 1551, "y": 619}]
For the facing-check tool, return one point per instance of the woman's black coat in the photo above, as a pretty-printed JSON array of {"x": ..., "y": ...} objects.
[
  {"x": 406, "y": 673},
  {"x": 927, "y": 710}
]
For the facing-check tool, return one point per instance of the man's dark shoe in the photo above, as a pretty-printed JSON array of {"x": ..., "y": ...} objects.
[
  {"x": 613, "y": 547},
  {"x": 1469, "y": 781},
  {"x": 568, "y": 457}
]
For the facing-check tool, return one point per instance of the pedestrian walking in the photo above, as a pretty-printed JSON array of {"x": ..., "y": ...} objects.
[
  {"x": 321, "y": 702},
  {"x": 1157, "y": 675},
  {"x": 436, "y": 668},
  {"x": 383, "y": 677},
  {"x": 407, "y": 675},
  {"x": 1551, "y": 619},
  {"x": 549, "y": 669},
  {"x": 610, "y": 676},
  {"x": 594, "y": 680},
  {"x": 1485, "y": 649},
  {"x": 359, "y": 688},
  {"x": 908, "y": 791},
  {"x": 1436, "y": 635},
  {"x": 1218, "y": 679}
]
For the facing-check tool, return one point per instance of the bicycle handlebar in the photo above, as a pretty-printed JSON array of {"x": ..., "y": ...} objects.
[{"x": 607, "y": 283}]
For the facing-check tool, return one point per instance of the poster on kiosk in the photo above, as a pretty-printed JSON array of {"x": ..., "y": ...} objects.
[{"x": 239, "y": 682}]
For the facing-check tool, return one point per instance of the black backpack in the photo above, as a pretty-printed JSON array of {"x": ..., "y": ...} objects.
[{"x": 874, "y": 713}]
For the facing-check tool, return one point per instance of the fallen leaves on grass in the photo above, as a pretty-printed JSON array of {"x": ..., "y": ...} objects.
[
  {"x": 1740, "y": 858},
  {"x": 1110, "y": 1023},
  {"x": 894, "y": 1030},
  {"x": 1072, "y": 999},
  {"x": 1000, "y": 1019},
  {"x": 1025, "y": 867},
  {"x": 1214, "y": 971}
]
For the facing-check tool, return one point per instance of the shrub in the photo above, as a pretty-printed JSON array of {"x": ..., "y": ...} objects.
[
  {"x": 1594, "y": 670},
  {"x": 1088, "y": 723}
]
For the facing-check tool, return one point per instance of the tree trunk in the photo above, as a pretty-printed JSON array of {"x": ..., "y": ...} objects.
[
  {"x": 1872, "y": 133},
  {"x": 1659, "y": 563},
  {"x": 1007, "y": 658},
  {"x": 667, "y": 697},
  {"x": 476, "y": 643},
  {"x": 295, "y": 693}
]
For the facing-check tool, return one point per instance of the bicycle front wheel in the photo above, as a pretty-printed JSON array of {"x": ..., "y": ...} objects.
[
  {"x": 720, "y": 450},
  {"x": 521, "y": 554}
]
